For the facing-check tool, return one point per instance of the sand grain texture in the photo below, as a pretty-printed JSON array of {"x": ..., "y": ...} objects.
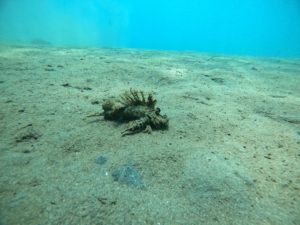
[{"x": 230, "y": 156}]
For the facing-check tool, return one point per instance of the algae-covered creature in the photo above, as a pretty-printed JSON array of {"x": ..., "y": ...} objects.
[{"x": 136, "y": 108}]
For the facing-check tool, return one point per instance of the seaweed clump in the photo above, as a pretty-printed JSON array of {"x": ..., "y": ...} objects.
[{"x": 136, "y": 108}]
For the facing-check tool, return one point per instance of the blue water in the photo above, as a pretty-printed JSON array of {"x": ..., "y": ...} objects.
[
  {"x": 84, "y": 111},
  {"x": 252, "y": 27}
]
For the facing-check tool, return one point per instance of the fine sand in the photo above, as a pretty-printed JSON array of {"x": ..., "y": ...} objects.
[{"x": 230, "y": 156}]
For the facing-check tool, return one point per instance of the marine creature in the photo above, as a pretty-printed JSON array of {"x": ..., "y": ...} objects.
[{"x": 137, "y": 109}]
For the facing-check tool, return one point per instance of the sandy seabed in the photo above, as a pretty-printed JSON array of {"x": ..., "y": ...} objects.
[{"x": 231, "y": 154}]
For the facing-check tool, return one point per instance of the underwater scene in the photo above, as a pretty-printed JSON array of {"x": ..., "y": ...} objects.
[{"x": 130, "y": 112}]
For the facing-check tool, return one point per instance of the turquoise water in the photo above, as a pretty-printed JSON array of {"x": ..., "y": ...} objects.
[
  {"x": 253, "y": 27},
  {"x": 148, "y": 112}
]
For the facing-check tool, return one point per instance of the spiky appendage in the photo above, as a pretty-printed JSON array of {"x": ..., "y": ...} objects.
[
  {"x": 135, "y": 98},
  {"x": 136, "y": 126},
  {"x": 147, "y": 123},
  {"x": 138, "y": 109}
]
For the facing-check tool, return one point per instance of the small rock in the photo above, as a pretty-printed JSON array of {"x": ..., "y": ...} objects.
[
  {"x": 66, "y": 85},
  {"x": 95, "y": 102},
  {"x": 26, "y": 151},
  {"x": 101, "y": 160},
  {"x": 128, "y": 175},
  {"x": 28, "y": 134}
]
